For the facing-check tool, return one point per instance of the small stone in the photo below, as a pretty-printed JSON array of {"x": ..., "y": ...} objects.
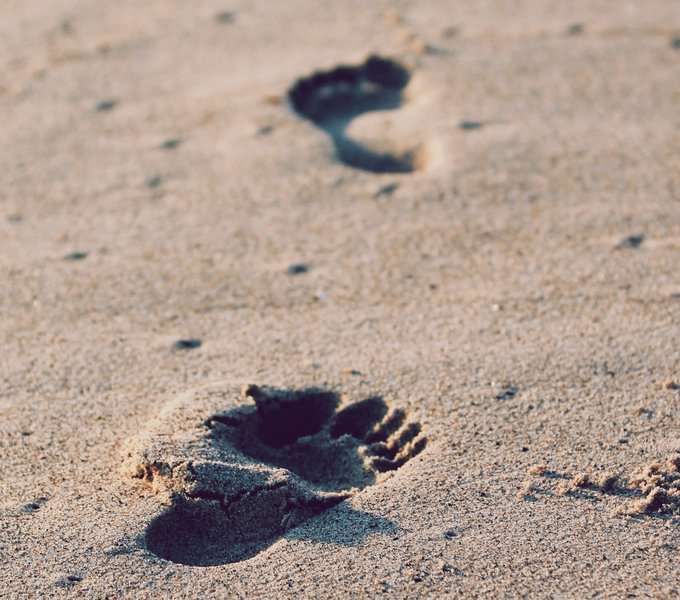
[
  {"x": 675, "y": 43},
  {"x": 77, "y": 255},
  {"x": 297, "y": 269},
  {"x": 187, "y": 344},
  {"x": 106, "y": 105},
  {"x": 670, "y": 384},
  {"x": 470, "y": 125},
  {"x": 575, "y": 29},
  {"x": 225, "y": 17},
  {"x": 451, "y": 533},
  {"x": 171, "y": 144},
  {"x": 386, "y": 190},
  {"x": 154, "y": 182},
  {"x": 632, "y": 241},
  {"x": 265, "y": 130},
  {"x": 507, "y": 393},
  {"x": 15, "y": 218}
]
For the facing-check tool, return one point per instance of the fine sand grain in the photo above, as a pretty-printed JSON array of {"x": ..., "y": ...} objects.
[{"x": 315, "y": 299}]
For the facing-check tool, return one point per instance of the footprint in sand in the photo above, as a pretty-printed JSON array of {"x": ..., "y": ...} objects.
[
  {"x": 238, "y": 479},
  {"x": 334, "y": 99}
]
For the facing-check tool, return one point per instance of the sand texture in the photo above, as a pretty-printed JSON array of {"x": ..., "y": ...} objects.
[{"x": 340, "y": 299}]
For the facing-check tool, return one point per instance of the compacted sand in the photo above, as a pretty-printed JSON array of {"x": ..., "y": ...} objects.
[{"x": 339, "y": 299}]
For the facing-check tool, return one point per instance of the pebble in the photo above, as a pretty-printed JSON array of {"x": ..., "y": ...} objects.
[
  {"x": 106, "y": 105},
  {"x": 297, "y": 269},
  {"x": 632, "y": 241},
  {"x": 507, "y": 393},
  {"x": 470, "y": 125},
  {"x": 386, "y": 190},
  {"x": 154, "y": 182},
  {"x": 77, "y": 255},
  {"x": 171, "y": 144},
  {"x": 188, "y": 344},
  {"x": 225, "y": 17}
]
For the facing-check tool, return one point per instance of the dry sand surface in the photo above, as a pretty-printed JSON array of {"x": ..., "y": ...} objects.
[{"x": 339, "y": 299}]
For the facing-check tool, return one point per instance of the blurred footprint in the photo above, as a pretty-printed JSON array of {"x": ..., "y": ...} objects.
[{"x": 333, "y": 99}]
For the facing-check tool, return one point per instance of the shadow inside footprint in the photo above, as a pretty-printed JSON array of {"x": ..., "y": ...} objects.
[
  {"x": 285, "y": 417},
  {"x": 199, "y": 533},
  {"x": 202, "y": 534},
  {"x": 304, "y": 432},
  {"x": 332, "y": 99},
  {"x": 304, "y": 452}
]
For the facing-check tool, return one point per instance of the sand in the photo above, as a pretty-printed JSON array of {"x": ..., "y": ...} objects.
[{"x": 469, "y": 255}]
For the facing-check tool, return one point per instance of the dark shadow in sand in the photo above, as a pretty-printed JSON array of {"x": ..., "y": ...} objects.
[
  {"x": 201, "y": 534},
  {"x": 303, "y": 431}
]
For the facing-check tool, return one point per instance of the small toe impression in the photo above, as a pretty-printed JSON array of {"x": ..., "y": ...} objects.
[
  {"x": 385, "y": 429},
  {"x": 358, "y": 419},
  {"x": 402, "y": 455}
]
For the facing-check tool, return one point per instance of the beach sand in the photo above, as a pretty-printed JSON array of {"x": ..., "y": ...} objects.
[{"x": 448, "y": 273}]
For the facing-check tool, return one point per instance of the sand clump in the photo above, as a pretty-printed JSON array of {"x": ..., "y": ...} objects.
[{"x": 653, "y": 489}]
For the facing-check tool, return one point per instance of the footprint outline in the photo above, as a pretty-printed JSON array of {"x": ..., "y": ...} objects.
[
  {"x": 332, "y": 99},
  {"x": 273, "y": 492}
]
